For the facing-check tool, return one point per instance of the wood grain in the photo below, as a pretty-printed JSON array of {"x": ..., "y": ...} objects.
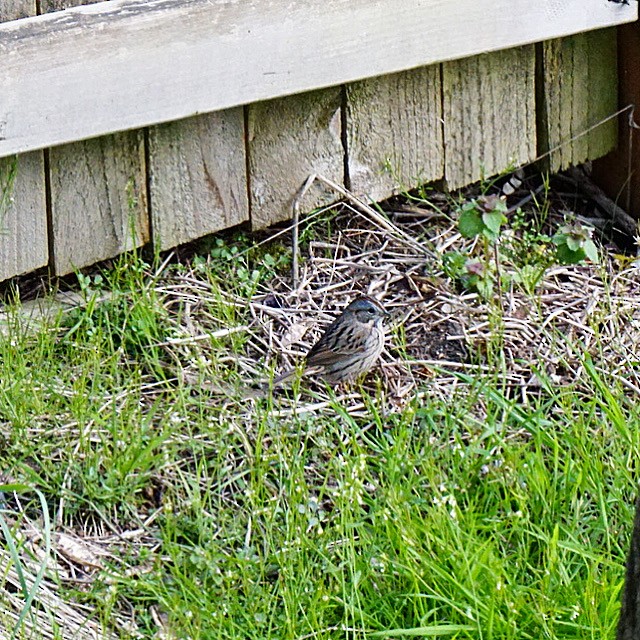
[
  {"x": 198, "y": 177},
  {"x": 98, "y": 199},
  {"x": 16, "y": 9},
  {"x": 98, "y": 193},
  {"x": 23, "y": 215},
  {"x": 579, "y": 89},
  {"x": 489, "y": 114},
  {"x": 289, "y": 139},
  {"x": 394, "y": 132},
  {"x": 125, "y": 64}
]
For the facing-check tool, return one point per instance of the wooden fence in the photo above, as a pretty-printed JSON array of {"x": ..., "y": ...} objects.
[{"x": 82, "y": 201}]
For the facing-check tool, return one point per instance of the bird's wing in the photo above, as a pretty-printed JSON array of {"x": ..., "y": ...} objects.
[{"x": 336, "y": 343}]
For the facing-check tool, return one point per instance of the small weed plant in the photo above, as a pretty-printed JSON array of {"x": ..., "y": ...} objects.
[{"x": 515, "y": 240}]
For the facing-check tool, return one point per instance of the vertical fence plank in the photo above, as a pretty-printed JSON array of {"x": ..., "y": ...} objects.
[
  {"x": 489, "y": 114},
  {"x": 23, "y": 214},
  {"x": 394, "y": 132},
  {"x": 98, "y": 192},
  {"x": 198, "y": 177},
  {"x": 578, "y": 80},
  {"x": 288, "y": 139},
  {"x": 16, "y": 9},
  {"x": 98, "y": 199}
]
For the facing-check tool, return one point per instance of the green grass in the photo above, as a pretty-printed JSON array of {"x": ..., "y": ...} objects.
[{"x": 473, "y": 516}]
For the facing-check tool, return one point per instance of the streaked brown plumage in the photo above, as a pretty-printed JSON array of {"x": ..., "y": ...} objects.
[{"x": 350, "y": 345}]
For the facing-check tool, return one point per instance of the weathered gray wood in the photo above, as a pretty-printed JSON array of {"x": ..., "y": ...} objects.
[
  {"x": 579, "y": 89},
  {"x": 130, "y": 63},
  {"x": 288, "y": 139},
  {"x": 98, "y": 199},
  {"x": 394, "y": 132},
  {"x": 16, "y": 9},
  {"x": 489, "y": 114},
  {"x": 23, "y": 215},
  {"x": 98, "y": 192},
  {"x": 198, "y": 176},
  {"x": 57, "y": 6}
]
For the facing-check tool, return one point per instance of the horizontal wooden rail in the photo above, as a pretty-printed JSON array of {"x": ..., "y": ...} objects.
[{"x": 125, "y": 64}]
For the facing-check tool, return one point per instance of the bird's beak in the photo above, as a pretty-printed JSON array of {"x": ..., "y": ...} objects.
[{"x": 391, "y": 316}]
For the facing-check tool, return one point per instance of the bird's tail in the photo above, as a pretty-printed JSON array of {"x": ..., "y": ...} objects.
[{"x": 284, "y": 377}]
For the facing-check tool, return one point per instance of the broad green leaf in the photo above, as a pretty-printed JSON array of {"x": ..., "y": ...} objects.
[
  {"x": 484, "y": 287},
  {"x": 493, "y": 220},
  {"x": 470, "y": 224},
  {"x": 574, "y": 243},
  {"x": 564, "y": 255},
  {"x": 591, "y": 250}
]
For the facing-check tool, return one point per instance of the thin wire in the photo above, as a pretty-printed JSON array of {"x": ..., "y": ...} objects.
[{"x": 583, "y": 133}]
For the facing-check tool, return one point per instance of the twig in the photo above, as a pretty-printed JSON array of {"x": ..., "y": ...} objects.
[
  {"x": 296, "y": 228},
  {"x": 383, "y": 222},
  {"x": 376, "y": 217},
  {"x": 620, "y": 218}
]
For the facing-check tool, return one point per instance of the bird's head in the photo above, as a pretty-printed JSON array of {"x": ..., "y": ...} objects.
[{"x": 367, "y": 310}]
